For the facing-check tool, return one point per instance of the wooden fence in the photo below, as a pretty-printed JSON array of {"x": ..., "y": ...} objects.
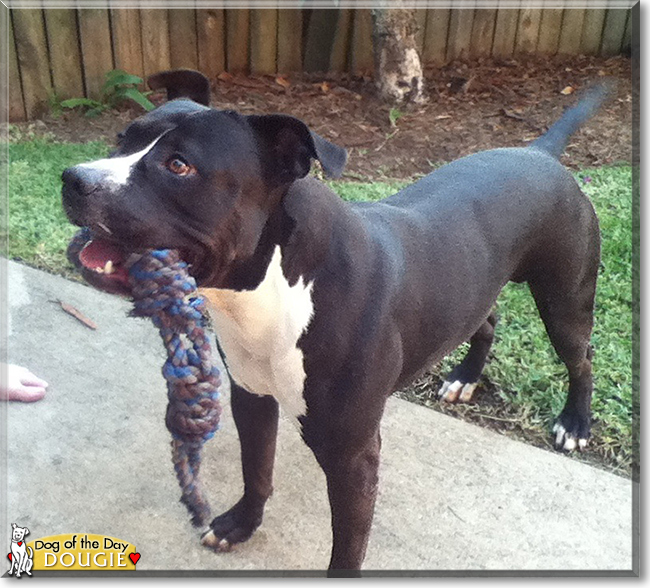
[{"x": 65, "y": 53}]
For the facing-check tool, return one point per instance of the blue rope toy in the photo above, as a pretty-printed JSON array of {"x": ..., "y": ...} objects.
[{"x": 163, "y": 290}]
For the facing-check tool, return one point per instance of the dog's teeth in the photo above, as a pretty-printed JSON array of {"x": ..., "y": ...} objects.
[
  {"x": 99, "y": 270},
  {"x": 108, "y": 268}
]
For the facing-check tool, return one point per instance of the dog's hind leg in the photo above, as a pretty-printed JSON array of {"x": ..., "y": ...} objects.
[
  {"x": 461, "y": 382},
  {"x": 256, "y": 418},
  {"x": 569, "y": 319},
  {"x": 565, "y": 300}
]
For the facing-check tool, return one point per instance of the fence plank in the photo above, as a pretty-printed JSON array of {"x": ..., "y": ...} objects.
[
  {"x": 155, "y": 40},
  {"x": 592, "y": 31},
  {"x": 460, "y": 33},
  {"x": 342, "y": 41},
  {"x": 142, "y": 42},
  {"x": 32, "y": 55},
  {"x": 483, "y": 32},
  {"x": 16, "y": 103},
  {"x": 505, "y": 32},
  {"x": 126, "y": 32},
  {"x": 96, "y": 51},
  {"x": 361, "y": 58},
  {"x": 183, "y": 46},
  {"x": 435, "y": 36},
  {"x": 289, "y": 40},
  {"x": 264, "y": 40},
  {"x": 237, "y": 33},
  {"x": 627, "y": 36},
  {"x": 571, "y": 34},
  {"x": 65, "y": 60},
  {"x": 613, "y": 31},
  {"x": 549, "y": 31},
  {"x": 321, "y": 32},
  {"x": 528, "y": 30},
  {"x": 211, "y": 38}
]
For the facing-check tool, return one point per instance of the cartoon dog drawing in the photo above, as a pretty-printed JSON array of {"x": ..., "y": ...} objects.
[{"x": 21, "y": 560}]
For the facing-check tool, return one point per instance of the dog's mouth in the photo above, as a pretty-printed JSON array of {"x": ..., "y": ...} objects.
[
  {"x": 106, "y": 259},
  {"x": 103, "y": 263}
]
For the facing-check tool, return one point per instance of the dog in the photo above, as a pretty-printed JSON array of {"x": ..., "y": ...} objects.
[
  {"x": 21, "y": 555},
  {"x": 324, "y": 307}
]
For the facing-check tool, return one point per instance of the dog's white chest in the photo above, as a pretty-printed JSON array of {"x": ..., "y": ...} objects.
[{"x": 259, "y": 330}]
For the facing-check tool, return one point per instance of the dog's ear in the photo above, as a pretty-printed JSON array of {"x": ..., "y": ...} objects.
[
  {"x": 26, "y": 530},
  {"x": 289, "y": 146},
  {"x": 13, "y": 525},
  {"x": 182, "y": 83}
]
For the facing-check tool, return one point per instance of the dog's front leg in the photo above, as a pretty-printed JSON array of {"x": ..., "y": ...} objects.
[
  {"x": 351, "y": 467},
  {"x": 256, "y": 418},
  {"x": 20, "y": 565}
]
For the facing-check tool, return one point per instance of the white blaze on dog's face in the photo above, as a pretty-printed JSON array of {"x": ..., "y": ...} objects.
[{"x": 116, "y": 171}]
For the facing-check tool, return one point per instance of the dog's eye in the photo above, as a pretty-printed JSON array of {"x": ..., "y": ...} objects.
[{"x": 177, "y": 166}]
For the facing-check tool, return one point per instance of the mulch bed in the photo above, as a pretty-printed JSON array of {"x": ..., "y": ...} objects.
[{"x": 473, "y": 106}]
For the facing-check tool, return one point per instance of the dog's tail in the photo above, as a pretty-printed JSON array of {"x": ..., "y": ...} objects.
[{"x": 555, "y": 140}]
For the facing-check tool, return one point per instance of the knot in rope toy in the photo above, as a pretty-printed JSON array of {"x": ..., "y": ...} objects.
[
  {"x": 161, "y": 286},
  {"x": 163, "y": 290}
]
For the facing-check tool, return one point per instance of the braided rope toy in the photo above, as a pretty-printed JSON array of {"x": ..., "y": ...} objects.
[{"x": 162, "y": 289}]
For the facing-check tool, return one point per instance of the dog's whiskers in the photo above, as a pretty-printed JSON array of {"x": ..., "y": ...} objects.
[{"x": 104, "y": 228}]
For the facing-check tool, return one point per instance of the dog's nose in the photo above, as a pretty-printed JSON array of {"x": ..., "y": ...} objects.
[{"x": 81, "y": 179}]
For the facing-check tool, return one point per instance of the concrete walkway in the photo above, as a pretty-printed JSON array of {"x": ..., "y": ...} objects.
[{"x": 93, "y": 457}]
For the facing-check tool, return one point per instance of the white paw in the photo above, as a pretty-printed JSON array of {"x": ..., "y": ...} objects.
[
  {"x": 566, "y": 441},
  {"x": 457, "y": 391},
  {"x": 210, "y": 540}
]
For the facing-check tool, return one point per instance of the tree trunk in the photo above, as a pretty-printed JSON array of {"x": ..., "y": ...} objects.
[{"x": 398, "y": 71}]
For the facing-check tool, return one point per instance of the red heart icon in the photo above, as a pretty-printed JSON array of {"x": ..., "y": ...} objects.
[
  {"x": 20, "y": 543},
  {"x": 9, "y": 556},
  {"x": 134, "y": 557}
]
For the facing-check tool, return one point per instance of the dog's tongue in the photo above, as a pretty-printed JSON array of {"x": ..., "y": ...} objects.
[{"x": 104, "y": 258}]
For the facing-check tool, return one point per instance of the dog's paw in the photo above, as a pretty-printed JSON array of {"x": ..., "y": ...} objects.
[
  {"x": 457, "y": 391},
  {"x": 571, "y": 432},
  {"x": 211, "y": 541},
  {"x": 234, "y": 526}
]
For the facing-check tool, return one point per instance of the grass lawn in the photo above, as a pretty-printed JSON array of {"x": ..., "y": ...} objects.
[{"x": 524, "y": 383}]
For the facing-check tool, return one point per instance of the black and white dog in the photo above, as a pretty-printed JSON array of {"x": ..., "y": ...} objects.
[{"x": 326, "y": 308}]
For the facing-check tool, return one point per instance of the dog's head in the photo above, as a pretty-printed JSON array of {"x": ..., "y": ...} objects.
[
  {"x": 189, "y": 177},
  {"x": 18, "y": 533}
]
